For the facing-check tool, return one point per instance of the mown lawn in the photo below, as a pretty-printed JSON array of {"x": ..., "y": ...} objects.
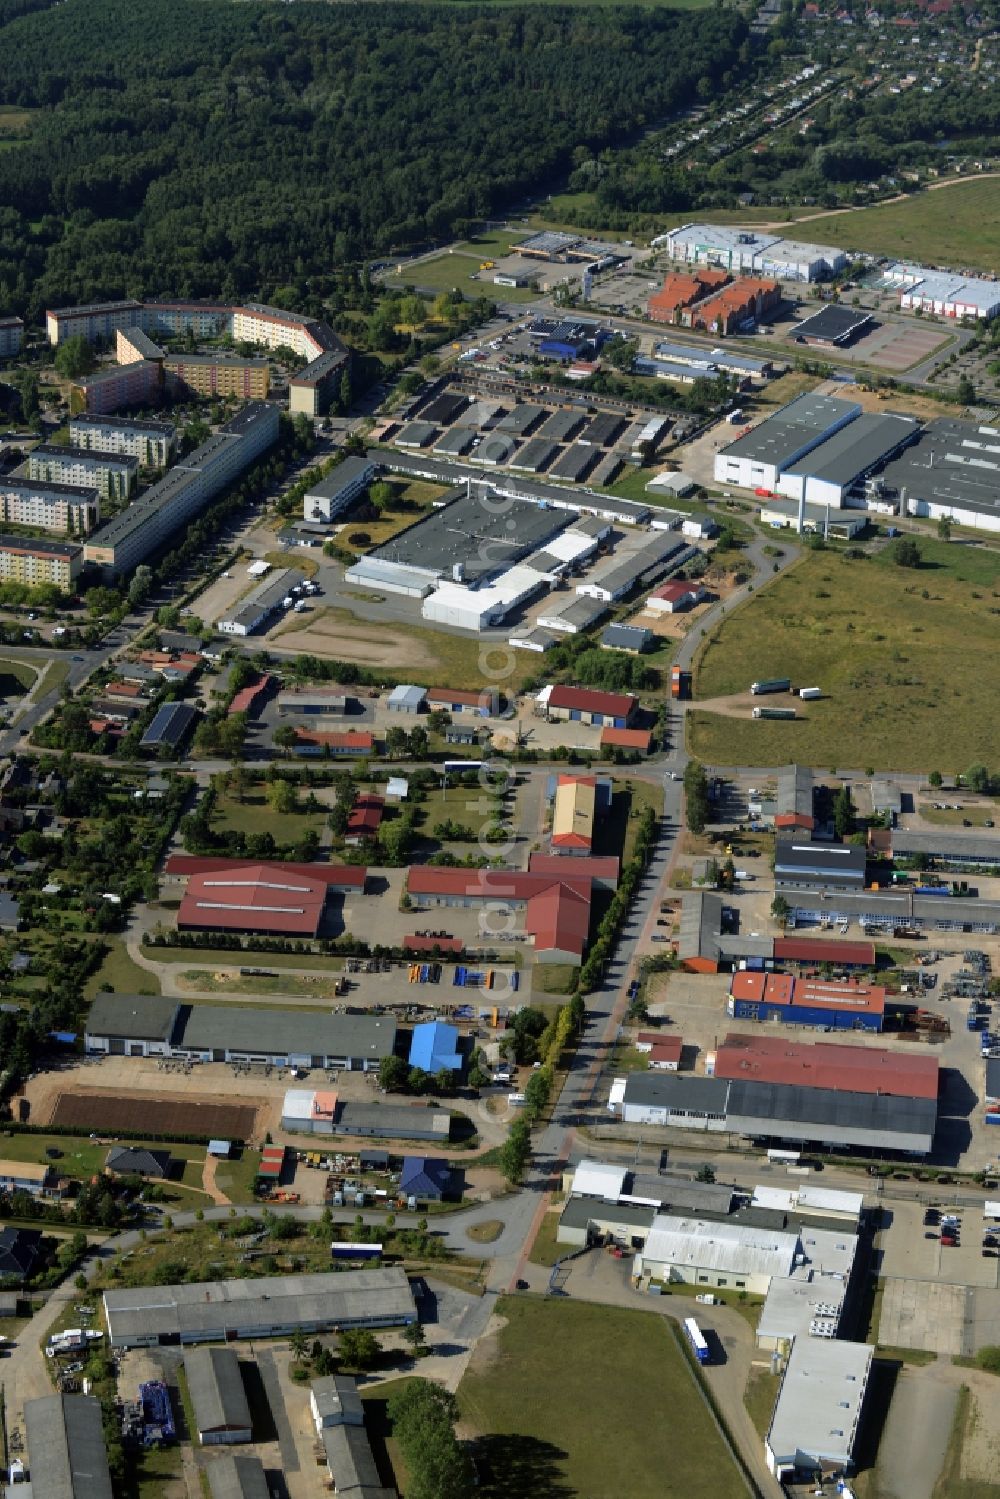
[
  {"x": 563, "y": 1410},
  {"x": 120, "y": 973},
  {"x": 907, "y": 658}
]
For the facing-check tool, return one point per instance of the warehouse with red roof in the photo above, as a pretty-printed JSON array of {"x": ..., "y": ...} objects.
[
  {"x": 244, "y": 895},
  {"x": 556, "y": 908},
  {"x": 829, "y": 1065},
  {"x": 839, "y": 1004}
]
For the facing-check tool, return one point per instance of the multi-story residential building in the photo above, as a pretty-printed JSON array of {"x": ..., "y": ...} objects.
[
  {"x": 97, "y": 321},
  {"x": 113, "y": 476},
  {"x": 132, "y": 344},
  {"x": 220, "y": 375},
  {"x": 63, "y": 509},
  {"x": 152, "y": 519},
  {"x": 11, "y": 336},
  {"x": 310, "y": 390},
  {"x": 32, "y": 560},
  {"x": 116, "y": 386},
  {"x": 151, "y": 442}
]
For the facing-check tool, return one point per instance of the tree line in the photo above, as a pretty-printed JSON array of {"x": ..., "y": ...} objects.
[{"x": 225, "y": 151}]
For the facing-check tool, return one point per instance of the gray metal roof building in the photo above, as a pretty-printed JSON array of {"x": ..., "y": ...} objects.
[
  {"x": 169, "y": 726},
  {"x": 260, "y": 603},
  {"x": 456, "y": 442},
  {"x": 795, "y": 793},
  {"x": 216, "y": 1311},
  {"x": 662, "y": 553},
  {"x": 132, "y": 1017},
  {"x": 238, "y": 1476},
  {"x": 978, "y": 851},
  {"x": 561, "y": 497},
  {"x": 474, "y": 531},
  {"x": 535, "y": 456},
  {"x": 574, "y": 462},
  {"x": 221, "y": 1409},
  {"x": 66, "y": 1452},
  {"x": 388, "y": 1121},
  {"x": 227, "y": 1032},
  {"x": 952, "y": 470},
  {"x": 886, "y": 797},
  {"x": 351, "y": 1464},
  {"x": 604, "y": 429},
  {"x": 827, "y": 474},
  {"x": 674, "y": 1090},
  {"x": 416, "y": 435},
  {"x": 833, "y": 324},
  {"x": 561, "y": 426},
  {"x": 626, "y": 638},
  {"x": 572, "y": 615},
  {"x": 335, "y": 1401},
  {"x": 878, "y": 909},
  {"x": 521, "y": 419},
  {"x": 818, "y": 866},
  {"x": 786, "y": 1111},
  {"x": 758, "y": 457}
]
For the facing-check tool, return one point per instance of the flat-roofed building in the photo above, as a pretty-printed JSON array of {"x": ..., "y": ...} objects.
[
  {"x": 11, "y": 336},
  {"x": 817, "y": 520},
  {"x": 757, "y": 458},
  {"x": 151, "y": 442},
  {"x": 799, "y": 865},
  {"x": 272, "y": 1306},
  {"x": 833, "y": 472},
  {"x": 156, "y": 515},
  {"x": 25, "y": 559},
  {"x": 752, "y": 250},
  {"x": 220, "y": 375},
  {"x": 347, "y": 482},
  {"x": 113, "y": 476},
  {"x": 117, "y": 386},
  {"x": 66, "y": 1451},
  {"x": 703, "y": 1252},
  {"x": 51, "y": 505},
  {"x": 817, "y": 1415},
  {"x": 94, "y": 321}
]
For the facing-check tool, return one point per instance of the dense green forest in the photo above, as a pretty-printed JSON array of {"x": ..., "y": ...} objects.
[{"x": 199, "y": 148}]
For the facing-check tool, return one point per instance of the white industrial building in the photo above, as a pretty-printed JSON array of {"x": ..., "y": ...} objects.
[
  {"x": 723, "y": 1255},
  {"x": 329, "y": 497},
  {"x": 465, "y": 608},
  {"x": 946, "y": 293},
  {"x": 824, "y": 520},
  {"x": 951, "y": 472},
  {"x": 830, "y": 473},
  {"x": 816, "y": 1418},
  {"x": 743, "y": 251},
  {"x": 758, "y": 457}
]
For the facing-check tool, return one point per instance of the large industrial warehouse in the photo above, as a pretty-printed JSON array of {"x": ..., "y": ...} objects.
[
  {"x": 951, "y": 472},
  {"x": 758, "y": 457},
  {"x": 751, "y": 251},
  {"x": 829, "y": 473}
]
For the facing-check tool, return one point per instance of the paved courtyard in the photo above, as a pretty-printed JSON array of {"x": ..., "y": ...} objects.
[{"x": 925, "y": 1314}]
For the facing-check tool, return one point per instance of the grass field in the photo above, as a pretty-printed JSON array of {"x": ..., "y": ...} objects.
[
  {"x": 561, "y": 1411},
  {"x": 957, "y": 226},
  {"x": 906, "y": 656},
  {"x": 545, "y": 1250},
  {"x": 228, "y": 983},
  {"x": 120, "y": 973},
  {"x": 761, "y": 1393},
  {"x": 950, "y": 1485},
  {"x": 81, "y": 1159},
  {"x": 227, "y": 958},
  {"x": 256, "y": 815}
]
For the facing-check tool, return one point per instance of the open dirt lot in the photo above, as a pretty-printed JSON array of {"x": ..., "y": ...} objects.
[
  {"x": 367, "y": 644},
  {"x": 163, "y": 1115}
]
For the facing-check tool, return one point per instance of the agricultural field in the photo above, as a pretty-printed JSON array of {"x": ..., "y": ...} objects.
[
  {"x": 906, "y": 657},
  {"x": 168, "y": 1116},
  {"x": 955, "y": 224},
  {"x": 560, "y": 1377}
]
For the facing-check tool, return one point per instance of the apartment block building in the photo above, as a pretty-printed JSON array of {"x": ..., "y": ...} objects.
[
  {"x": 11, "y": 336},
  {"x": 113, "y": 476},
  {"x": 151, "y": 442},
  {"x": 97, "y": 322},
  {"x": 133, "y": 343},
  {"x": 152, "y": 519},
  {"x": 311, "y": 390},
  {"x": 220, "y": 375},
  {"x": 60, "y": 508},
  {"x": 117, "y": 386},
  {"x": 32, "y": 560}
]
